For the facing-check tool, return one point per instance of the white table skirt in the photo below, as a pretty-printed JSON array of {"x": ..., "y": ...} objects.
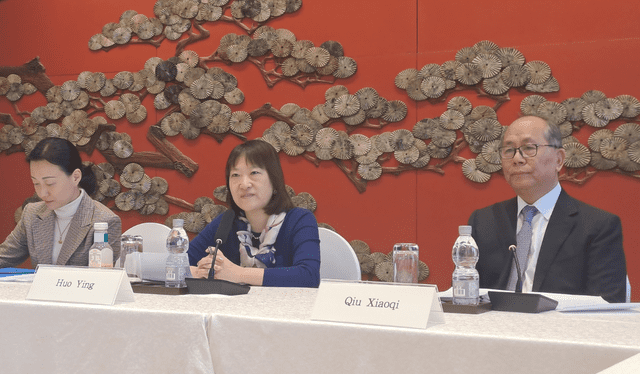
[
  {"x": 269, "y": 331},
  {"x": 47, "y": 337},
  {"x": 284, "y": 340}
]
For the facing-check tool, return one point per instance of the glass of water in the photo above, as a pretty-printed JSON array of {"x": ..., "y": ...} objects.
[
  {"x": 405, "y": 263},
  {"x": 130, "y": 244}
]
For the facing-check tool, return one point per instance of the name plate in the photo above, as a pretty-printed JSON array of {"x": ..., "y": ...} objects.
[
  {"x": 79, "y": 284},
  {"x": 377, "y": 303}
]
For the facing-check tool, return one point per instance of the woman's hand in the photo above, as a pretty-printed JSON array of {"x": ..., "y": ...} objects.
[
  {"x": 227, "y": 270},
  {"x": 204, "y": 265}
]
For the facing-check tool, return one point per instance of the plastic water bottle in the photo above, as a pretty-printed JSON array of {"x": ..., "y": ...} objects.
[
  {"x": 101, "y": 253},
  {"x": 465, "y": 280},
  {"x": 177, "y": 261}
]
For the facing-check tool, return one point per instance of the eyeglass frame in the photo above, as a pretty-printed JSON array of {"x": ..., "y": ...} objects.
[{"x": 522, "y": 153}]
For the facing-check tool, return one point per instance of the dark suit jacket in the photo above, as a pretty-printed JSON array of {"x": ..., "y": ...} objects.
[{"x": 581, "y": 250}]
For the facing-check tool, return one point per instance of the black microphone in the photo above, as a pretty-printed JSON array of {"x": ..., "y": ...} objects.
[
  {"x": 513, "y": 249},
  {"x": 215, "y": 253},
  {"x": 221, "y": 235},
  {"x": 210, "y": 285},
  {"x": 518, "y": 301}
]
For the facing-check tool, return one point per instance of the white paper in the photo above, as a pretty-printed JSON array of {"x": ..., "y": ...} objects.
[{"x": 582, "y": 303}]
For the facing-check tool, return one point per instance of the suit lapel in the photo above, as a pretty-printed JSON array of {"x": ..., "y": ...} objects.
[
  {"x": 507, "y": 221},
  {"x": 78, "y": 229},
  {"x": 560, "y": 225},
  {"x": 43, "y": 236}
]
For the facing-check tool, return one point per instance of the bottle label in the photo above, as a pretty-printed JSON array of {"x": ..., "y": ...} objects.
[
  {"x": 95, "y": 260},
  {"x": 465, "y": 289},
  {"x": 171, "y": 274},
  {"x": 100, "y": 237}
]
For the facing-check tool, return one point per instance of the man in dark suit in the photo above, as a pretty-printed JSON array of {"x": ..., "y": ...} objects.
[{"x": 573, "y": 248}]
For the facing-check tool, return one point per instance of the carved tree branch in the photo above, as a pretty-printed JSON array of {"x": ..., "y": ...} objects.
[
  {"x": 31, "y": 72},
  {"x": 8, "y": 119},
  {"x": 500, "y": 99},
  {"x": 193, "y": 37},
  {"x": 20, "y": 112},
  {"x": 311, "y": 158},
  {"x": 179, "y": 202},
  {"x": 181, "y": 162},
  {"x": 246, "y": 28},
  {"x": 89, "y": 147},
  {"x": 573, "y": 175},
  {"x": 370, "y": 125},
  {"x": 352, "y": 174},
  {"x": 214, "y": 57},
  {"x": 268, "y": 111},
  {"x": 458, "y": 145},
  {"x": 145, "y": 159},
  {"x": 629, "y": 174},
  {"x": 220, "y": 137}
]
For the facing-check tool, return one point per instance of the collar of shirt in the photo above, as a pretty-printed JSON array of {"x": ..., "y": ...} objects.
[
  {"x": 64, "y": 215},
  {"x": 545, "y": 204},
  {"x": 70, "y": 209}
]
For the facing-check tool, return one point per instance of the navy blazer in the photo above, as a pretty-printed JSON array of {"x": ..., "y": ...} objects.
[{"x": 581, "y": 250}]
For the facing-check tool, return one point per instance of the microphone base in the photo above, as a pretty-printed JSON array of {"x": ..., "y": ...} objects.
[
  {"x": 198, "y": 286},
  {"x": 521, "y": 302}
]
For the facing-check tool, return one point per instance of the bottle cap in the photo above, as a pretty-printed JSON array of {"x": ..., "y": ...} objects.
[
  {"x": 464, "y": 230},
  {"x": 178, "y": 222},
  {"x": 101, "y": 226}
]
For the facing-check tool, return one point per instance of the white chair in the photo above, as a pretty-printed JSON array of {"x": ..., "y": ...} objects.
[
  {"x": 154, "y": 236},
  {"x": 337, "y": 258}
]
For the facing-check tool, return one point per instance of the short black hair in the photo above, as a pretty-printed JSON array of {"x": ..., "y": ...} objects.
[{"x": 261, "y": 154}]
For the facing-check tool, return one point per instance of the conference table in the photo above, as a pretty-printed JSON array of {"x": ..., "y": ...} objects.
[{"x": 270, "y": 330}]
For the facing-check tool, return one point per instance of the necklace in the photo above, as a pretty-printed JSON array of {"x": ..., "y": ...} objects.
[
  {"x": 256, "y": 237},
  {"x": 63, "y": 231}
]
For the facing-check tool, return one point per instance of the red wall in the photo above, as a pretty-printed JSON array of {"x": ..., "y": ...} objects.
[{"x": 588, "y": 46}]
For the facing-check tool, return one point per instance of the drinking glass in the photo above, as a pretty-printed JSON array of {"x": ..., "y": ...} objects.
[
  {"x": 405, "y": 263},
  {"x": 130, "y": 244},
  {"x": 138, "y": 239}
]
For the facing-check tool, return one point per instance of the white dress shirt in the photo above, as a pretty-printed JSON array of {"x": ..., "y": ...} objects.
[
  {"x": 545, "y": 206},
  {"x": 64, "y": 215}
]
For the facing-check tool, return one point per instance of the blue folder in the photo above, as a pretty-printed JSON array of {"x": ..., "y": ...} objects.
[{"x": 7, "y": 272}]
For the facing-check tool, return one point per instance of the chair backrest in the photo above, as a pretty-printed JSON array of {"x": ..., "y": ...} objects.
[
  {"x": 154, "y": 236},
  {"x": 338, "y": 260}
]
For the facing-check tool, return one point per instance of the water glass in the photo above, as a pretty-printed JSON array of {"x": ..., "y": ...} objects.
[
  {"x": 405, "y": 263},
  {"x": 138, "y": 239},
  {"x": 130, "y": 244}
]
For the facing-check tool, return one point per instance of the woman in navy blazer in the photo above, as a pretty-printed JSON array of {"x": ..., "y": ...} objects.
[{"x": 271, "y": 243}]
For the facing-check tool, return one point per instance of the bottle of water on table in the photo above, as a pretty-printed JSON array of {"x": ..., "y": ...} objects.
[
  {"x": 177, "y": 261},
  {"x": 465, "y": 280},
  {"x": 101, "y": 253}
]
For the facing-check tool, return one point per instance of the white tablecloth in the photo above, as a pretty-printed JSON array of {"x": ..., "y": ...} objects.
[{"x": 269, "y": 331}]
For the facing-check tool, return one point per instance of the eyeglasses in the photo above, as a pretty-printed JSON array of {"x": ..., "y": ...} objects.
[{"x": 527, "y": 150}]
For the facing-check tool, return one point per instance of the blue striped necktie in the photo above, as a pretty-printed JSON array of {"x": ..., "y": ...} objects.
[{"x": 524, "y": 245}]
